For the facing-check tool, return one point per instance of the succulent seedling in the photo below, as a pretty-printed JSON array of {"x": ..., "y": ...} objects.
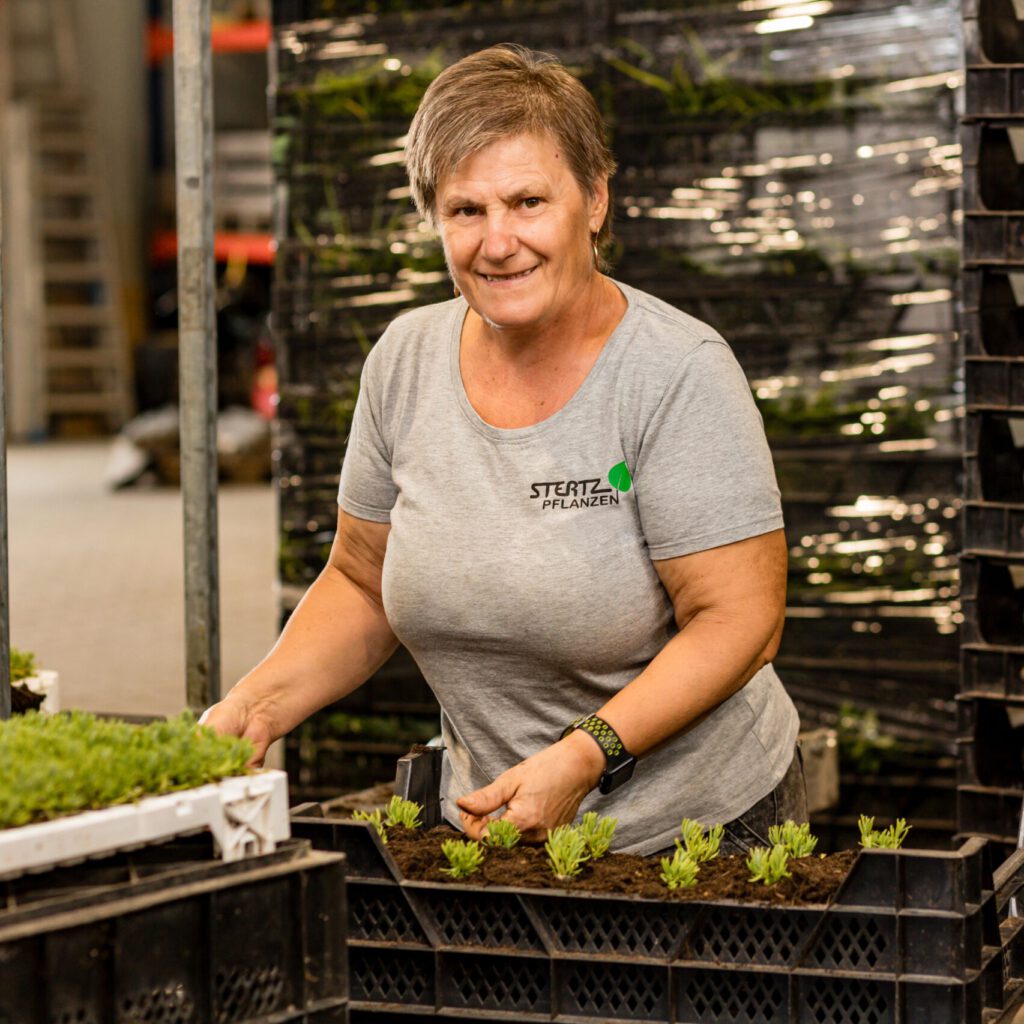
[
  {"x": 597, "y": 833},
  {"x": 680, "y": 870},
  {"x": 464, "y": 857},
  {"x": 797, "y": 839},
  {"x": 768, "y": 866},
  {"x": 502, "y": 832},
  {"x": 567, "y": 851}
]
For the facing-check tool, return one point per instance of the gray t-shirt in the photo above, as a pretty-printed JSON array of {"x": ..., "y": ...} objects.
[{"x": 518, "y": 568}]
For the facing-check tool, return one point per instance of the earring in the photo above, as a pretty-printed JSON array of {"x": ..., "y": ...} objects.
[
  {"x": 457, "y": 290},
  {"x": 597, "y": 253}
]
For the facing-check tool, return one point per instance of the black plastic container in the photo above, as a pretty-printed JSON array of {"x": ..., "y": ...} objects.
[
  {"x": 912, "y": 936},
  {"x": 131, "y": 939},
  {"x": 993, "y": 528},
  {"x": 995, "y": 383},
  {"x": 993, "y": 179},
  {"x": 992, "y": 32},
  {"x": 991, "y": 671},
  {"x": 991, "y": 743},
  {"x": 993, "y": 319},
  {"x": 992, "y": 595},
  {"x": 996, "y": 91},
  {"x": 991, "y": 811},
  {"x": 994, "y": 457},
  {"x": 996, "y": 238}
]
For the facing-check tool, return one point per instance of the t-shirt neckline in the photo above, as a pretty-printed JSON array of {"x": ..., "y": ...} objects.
[{"x": 461, "y": 308}]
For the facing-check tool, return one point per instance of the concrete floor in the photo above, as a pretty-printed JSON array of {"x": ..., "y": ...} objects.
[{"x": 96, "y": 579}]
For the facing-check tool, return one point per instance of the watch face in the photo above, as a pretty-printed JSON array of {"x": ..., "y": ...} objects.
[{"x": 615, "y": 777}]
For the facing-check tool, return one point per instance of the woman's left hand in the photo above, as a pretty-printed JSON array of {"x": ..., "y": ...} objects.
[{"x": 540, "y": 793}]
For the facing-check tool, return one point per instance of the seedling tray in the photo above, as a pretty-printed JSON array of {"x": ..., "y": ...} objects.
[
  {"x": 259, "y": 941},
  {"x": 247, "y": 815},
  {"x": 911, "y": 936}
]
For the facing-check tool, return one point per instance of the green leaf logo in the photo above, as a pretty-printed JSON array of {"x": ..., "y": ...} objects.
[{"x": 619, "y": 478}]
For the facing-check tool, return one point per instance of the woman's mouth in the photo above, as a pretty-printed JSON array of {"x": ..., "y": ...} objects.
[{"x": 507, "y": 278}]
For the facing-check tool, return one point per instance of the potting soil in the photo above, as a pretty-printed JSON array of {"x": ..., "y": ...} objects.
[{"x": 814, "y": 880}]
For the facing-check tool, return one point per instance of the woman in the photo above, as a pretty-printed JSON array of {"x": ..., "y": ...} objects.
[{"x": 557, "y": 493}]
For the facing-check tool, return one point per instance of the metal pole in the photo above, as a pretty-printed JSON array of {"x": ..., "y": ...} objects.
[
  {"x": 5, "y": 603},
  {"x": 197, "y": 333}
]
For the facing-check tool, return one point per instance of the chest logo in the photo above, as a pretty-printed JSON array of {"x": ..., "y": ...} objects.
[{"x": 586, "y": 493}]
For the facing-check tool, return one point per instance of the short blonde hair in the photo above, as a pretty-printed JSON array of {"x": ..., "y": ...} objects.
[{"x": 498, "y": 93}]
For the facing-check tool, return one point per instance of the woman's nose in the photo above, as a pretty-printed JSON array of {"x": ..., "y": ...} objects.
[{"x": 499, "y": 241}]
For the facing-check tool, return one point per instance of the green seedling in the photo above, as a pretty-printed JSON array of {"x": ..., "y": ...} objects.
[
  {"x": 768, "y": 866},
  {"x": 402, "y": 812},
  {"x": 597, "y": 834},
  {"x": 699, "y": 845},
  {"x": 797, "y": 839},
  {"x": 890, "y": 838},
  {"x": 54, "y": 765},
  {"x": 464, "y": 856},
  {"x": 376, "y": 819},
  {"x": 567, "y": 851},
  {"x": 502, "y": 833},
  {"x": 680, "y": 871}
]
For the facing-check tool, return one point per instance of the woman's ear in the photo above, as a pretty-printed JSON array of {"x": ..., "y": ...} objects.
[{"x": 599, "y": 204}]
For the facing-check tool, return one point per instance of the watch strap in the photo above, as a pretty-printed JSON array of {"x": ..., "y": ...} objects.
[
  {"x": 607, "y": 738},
  {"x": 619, "y": 762}
]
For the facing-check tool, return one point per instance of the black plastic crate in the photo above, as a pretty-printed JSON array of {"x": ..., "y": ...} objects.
[
  {"x": 992, "y": 598},
  {"x": 991, "y": 744},
  {"x": 202, "y": 943},
  {"x": 908, "y": 929},
  {"x": 991, "y": 671},
  {"x": 993, "y": 180},
  {"x": 992, "y": 811},
  {"x": 993, "y": 528},
  {"x": 993, "y": 237},
  {"x": 996, "y": 91},
  {"x": 994, "y": 457},
  {"x": 995, "y": 383},
  {"x": 992, "y": 32},
  {"x": 993, "y": 319}
]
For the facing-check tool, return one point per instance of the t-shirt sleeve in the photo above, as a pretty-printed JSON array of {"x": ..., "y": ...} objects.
[
  {"x": 367, "y": 489},
  {"x": 704, "y": 475}
]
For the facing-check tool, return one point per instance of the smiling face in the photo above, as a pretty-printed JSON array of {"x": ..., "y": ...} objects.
[{"x": 517, "y": 232}]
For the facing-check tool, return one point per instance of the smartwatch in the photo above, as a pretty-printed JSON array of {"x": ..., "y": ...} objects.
[{"x": 619, "y": 762}]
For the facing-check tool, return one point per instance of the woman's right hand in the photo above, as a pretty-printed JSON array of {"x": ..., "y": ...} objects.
[{"x": 236, "y": 717}]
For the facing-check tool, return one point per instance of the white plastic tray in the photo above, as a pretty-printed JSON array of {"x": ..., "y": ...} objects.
[
  {"x": 247, "y": 815},
  {"x": 46, "y": 684}
]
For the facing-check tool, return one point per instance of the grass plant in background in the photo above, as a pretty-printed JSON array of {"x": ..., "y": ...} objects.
[
  {"x": 566, "y": 848},
  {"x": 502, "y": 833},
  {"x": 23, "y": 665},
  {"x": 890, "y": 838},
  {"x": 55, "y": 765},
  {"x": 680, "y": 870},
  {"x": 768, "y": 866},
  {"x": 402, "y": 812},
  {"x": 700, "y": 845},
  {"x": 464, "y": 857},
  {"x": 797, "y": 839},
  {"x": 597, "y": 834},
  {"x": 376, "y": 819}
]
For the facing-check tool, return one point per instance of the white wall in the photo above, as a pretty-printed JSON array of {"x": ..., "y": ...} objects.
[{"x": 111, "y": 38}]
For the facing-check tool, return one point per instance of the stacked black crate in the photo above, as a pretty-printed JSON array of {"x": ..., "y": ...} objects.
[
  {"x": 991, "y": 755},
  {"x": 811, "y": 221}
]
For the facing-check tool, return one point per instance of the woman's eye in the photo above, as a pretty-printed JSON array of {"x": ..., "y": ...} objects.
[{"x": 465, "y": 211}]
